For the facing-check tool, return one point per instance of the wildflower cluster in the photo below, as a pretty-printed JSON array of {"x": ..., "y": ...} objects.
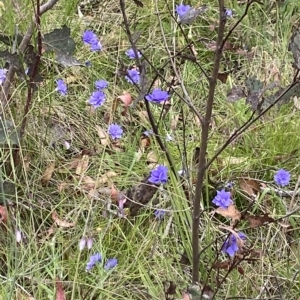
[
  {"x": 223, "y": 200},
  {"x": 97, "y": 258}
]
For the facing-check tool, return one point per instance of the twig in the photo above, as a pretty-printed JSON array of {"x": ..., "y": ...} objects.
[
  {"x": 204, "y": 143},
  {"x": 35, "y": 67}
]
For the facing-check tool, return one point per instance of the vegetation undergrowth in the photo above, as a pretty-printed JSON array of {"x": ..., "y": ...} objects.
[{"x": 99, "y": 190}]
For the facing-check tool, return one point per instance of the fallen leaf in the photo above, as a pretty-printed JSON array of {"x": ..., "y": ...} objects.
[
  {"x": 62, "y": 186},
  {"x": 48, "y": 174},
  {"x": 230, "y": 212},
  {"x": 256, "y": 221},
  {"x": 105, "y": 178},
  {"x": 151, "y": 157},
  {"x": 250, "y": 186},
  {"x": 3, "y": 214},
  {"x": 61, "y": 223},
  {"x": 126, "y": 98},
  {"x": 223, "y": 77},
  {"x": 231, "y": 160},
  {"x": 221, "y": 264},
  {"x": 82, "y": 165},
  {"x": 104, "y": 137},
  {"x": 60, "y": 293},
  {"x": 88, "y": 183},
  {"x": 296, "y": 102}
]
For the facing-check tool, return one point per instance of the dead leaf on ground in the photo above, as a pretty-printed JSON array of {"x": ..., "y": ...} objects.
[
  {"x": 104, "y": 137},
  {"x": 83, "y": 165},
  {"x": 48, "y": 174},
  {"x": 256, "y": 221},
  {"x": 60, "y": 293},
  {"x": 151, "y": 157},
  {"x": 62, "y": 186},
  {"x": 250, "y": 186},
  {"x": 223, "y": 77},
  {"x": 61, "y": 223},
  {"x": 230, "y": 212},
  {"x": 3, "y": 214},
  {"x": 296, "y": 102},
  {"x": 126, "y": 99},
  {"x": 106, "y": 178},
  {"x": 88, "y": 183}
]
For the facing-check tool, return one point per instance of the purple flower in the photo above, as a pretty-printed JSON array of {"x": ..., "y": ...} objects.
[
  {"x": 97, "y": 99},
  {"x": 228, "y": 12},
  {"x": 157, "y": 95},
  {"x": 2, "y": 75},
  {"x": 232, "y": 244},
  {"x": 131, "y": 55},
  {"x": 89, "y": 37},
  {"x": 282, "y": 177},
  {"x": 96, "y": 46},
  {"x": 133, "y": 76},
  {"x": 93, "y": 260},
  {"x": 111, "y": 263},
  {"x": 101, "y": 84},
  {"x": 148, "y": 132},
  {"x": 115, "y": 131},
  {"x": 159, "y": 175},
  {"x": 61, "y": 87},
  {"x": 222, "y": 199},
  {"x": 88, "y": 63},
  {"x": 182, "y": 10},
  {"x": 82, "y": 244},
  {"x": 159, "y": 214}
]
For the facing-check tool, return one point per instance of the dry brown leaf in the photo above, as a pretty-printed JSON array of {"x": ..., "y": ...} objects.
[
  {"x": 27, "y": 160},
  {"x": 296, "y": 102},
  {"x": 126, "y": 98},
  {"x": 104, "y": 138},
  {"x": 88, "y": 183},
  {"x": 223, "y": 77},
  {"x": 151, "y": 157},
  {"x": 3, "y": 214},
  {"x": 82, "y": 165},
  {"x": 61, "y": 223},
  {"x": 174, "y": 122},
  {"x": 105, "y": 178},
  {"x": 256, "y": 221},
  {"x": 62, "y": 186},
  {"x": 230, "y": 212},
  {"x": 60, "y": 293},
  {"x": 48, "y": 174},
  {"x": 250, "y": 186}
]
